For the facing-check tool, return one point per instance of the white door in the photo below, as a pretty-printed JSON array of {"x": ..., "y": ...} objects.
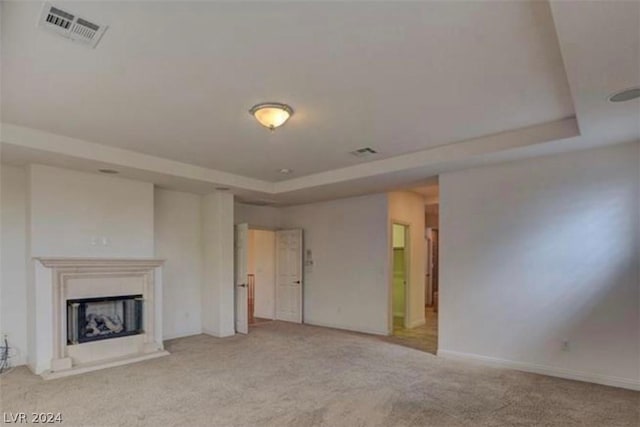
[
  {"x": 241, "y": 293},
  {"x": 289, "y": 275}
]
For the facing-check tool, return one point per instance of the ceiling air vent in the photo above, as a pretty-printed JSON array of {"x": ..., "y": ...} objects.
[
  {"x": 70, "y": 25},
  {"x": 363, "y": 152}
]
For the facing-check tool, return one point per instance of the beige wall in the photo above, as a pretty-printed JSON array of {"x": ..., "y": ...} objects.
[
  {"x": 218, "y": 309},
  {"x": 13, "y": 268},
  {"x": 178, "y": 240},
  {"x": 554, "y": 256},
  {"x": 77, "y": 214},
  {"x": 408, "y": 208},
  {"x": 350, "y": 241},
  {"x": 266, "y": 217}
]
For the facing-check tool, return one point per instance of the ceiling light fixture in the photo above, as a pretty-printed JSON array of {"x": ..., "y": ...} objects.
[
  {"x": 285, "y": 171},
  {"x": 625, "y": 95},
  {"x": 271, "y": 114}
]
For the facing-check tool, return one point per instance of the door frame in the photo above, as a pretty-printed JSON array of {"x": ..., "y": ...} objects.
[
  {"x": 240, "y": 280},
  {"x": 275, "y": 293},
  {"x": 428, "y": 301},
  {"x": 274, "y": 249},
  {"x": 407, "y": 271}
]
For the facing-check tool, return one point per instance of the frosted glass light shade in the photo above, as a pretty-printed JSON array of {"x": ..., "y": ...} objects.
[{"x": 271, "y": 114}]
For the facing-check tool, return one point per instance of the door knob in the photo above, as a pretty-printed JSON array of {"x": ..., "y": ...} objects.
[
  {"x": 242, "y": 285},
  {"x": 297, "y": 282}
]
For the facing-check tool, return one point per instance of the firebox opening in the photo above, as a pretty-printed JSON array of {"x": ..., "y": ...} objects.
[{"x": 93, "y": 319}]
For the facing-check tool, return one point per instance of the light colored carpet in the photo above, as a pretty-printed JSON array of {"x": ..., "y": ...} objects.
[{"x": 291, "y": 375}]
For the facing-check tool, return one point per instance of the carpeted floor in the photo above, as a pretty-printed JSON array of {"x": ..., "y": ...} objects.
[{"x": 291, "y": 375}]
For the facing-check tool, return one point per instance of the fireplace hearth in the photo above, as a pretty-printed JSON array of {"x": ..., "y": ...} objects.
[{"x": 93, "y": 319}]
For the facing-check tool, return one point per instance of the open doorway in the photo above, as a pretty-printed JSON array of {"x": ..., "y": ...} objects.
[
  {"x": 400, "y": 263},
  {"x": 268, "y": 276},
  {"x": 261, "y": 276},
  {"x": 415, "y": 289},
  {"x": 254, "y": 277}
]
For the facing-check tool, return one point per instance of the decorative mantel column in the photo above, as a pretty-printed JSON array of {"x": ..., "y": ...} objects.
[{"x": 60, "y": 279}]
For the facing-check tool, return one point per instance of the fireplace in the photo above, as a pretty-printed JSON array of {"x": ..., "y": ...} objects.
[
  {"x": 81, "y": 303},
  {"x": 94, "y": 319}
]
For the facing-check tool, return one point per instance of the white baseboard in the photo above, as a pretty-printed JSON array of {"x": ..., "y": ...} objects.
[
  {"x": 346, "y": 328},
  {"x": 414, "y": 323},
  {"x": 417, "y": 322},
  {"x": 264, "y": 316},
  {"x": 181, "y": 335},
  {"x": 119, "y": 361},
  {"x": 18, "y": 360},
  {"x": 552, "y": 371},
  {"x": 218, "y": 334}
]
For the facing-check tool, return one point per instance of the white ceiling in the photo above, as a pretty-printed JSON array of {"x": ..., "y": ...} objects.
[
  {"x": 600, "y": 43},
  {"x": 432, "y": 86},
  {"x": 175, "y": 79}
]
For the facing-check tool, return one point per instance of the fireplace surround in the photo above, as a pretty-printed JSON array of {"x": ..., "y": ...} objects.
[{"x": 94, "y": 313}]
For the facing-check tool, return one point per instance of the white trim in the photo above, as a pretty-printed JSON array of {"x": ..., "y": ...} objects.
[
  {"x": 552, "y": 371},
  {"x": 52, "y": 356},
  {"x": 182, "y": 335},
  {"x": 77, "y": 263},
  {"x": 49, "y": 375},
  {"x": 17, "y": 360},
  {"x": 104, "y": 154},
  {"x": 406, "y": 317},
  {"x": 345, "y": 328},
  {"x": 434, "y": 156},
  {"x": 417, "y": 322},
  {"x": 455, "y": 151},
  {"x": 218, "y": 334}
]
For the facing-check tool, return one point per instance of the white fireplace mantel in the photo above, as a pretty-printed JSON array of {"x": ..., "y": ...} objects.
[
  {"x": 58, "y": 279},
  {"x": 67, "y": 262}
]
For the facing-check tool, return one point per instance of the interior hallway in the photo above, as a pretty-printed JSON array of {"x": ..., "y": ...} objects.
[{"x": 424, "y": 338}]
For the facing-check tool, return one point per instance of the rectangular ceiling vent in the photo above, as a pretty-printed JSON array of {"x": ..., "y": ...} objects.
[
  {"x": 70, "y": 25},
  {"x": 363, "y": 152}
]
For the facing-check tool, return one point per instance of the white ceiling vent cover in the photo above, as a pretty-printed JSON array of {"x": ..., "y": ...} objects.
[{"x": 70, "y": 25}]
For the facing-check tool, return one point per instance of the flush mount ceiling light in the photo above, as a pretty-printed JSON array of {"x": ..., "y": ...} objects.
[
  {"x": 625, "y": 95},
  {"x": 271, "y": 114}
]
